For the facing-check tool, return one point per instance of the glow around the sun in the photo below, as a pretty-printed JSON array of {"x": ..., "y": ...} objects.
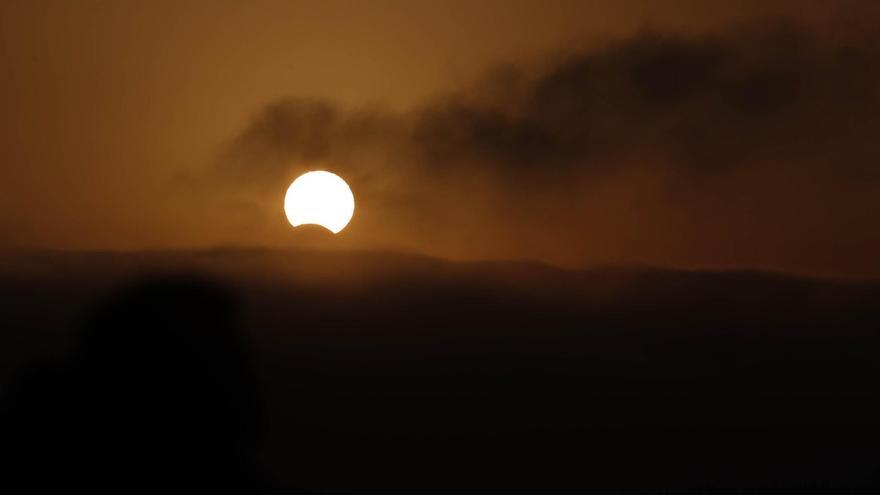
[{"x": 319, "y": 198}]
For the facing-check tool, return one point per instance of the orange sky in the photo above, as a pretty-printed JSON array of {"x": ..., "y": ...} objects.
[{"x": 111, "y": 110}]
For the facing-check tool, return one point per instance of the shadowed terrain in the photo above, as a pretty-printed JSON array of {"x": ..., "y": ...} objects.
[{"x": 302, "y": 371}]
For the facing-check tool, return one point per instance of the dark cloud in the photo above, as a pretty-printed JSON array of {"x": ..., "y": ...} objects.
[{"x": 702, "y": 102}]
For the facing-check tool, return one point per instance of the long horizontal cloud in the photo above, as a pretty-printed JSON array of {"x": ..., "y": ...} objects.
[{"x": 701, "y": 103}]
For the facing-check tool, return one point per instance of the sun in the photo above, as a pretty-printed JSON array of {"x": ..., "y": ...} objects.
[{"x": 319, "y": 198}]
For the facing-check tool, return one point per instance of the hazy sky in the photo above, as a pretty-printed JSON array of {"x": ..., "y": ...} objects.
[{"x": 688, "y": 133}]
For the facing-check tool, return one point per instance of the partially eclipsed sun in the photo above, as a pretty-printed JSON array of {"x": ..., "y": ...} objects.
[{"x": 319, "y": 198}]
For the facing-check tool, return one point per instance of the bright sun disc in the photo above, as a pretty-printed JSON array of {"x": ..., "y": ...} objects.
[{"x": 319, "y": 198}]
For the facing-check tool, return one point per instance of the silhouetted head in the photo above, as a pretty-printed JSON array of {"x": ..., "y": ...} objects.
[
  {"x": 165, "y": 325},
  {"x": 166, "y": 385}
]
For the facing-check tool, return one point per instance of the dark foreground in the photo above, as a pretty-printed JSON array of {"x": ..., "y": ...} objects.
[{"x": 352, "y": 373}]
